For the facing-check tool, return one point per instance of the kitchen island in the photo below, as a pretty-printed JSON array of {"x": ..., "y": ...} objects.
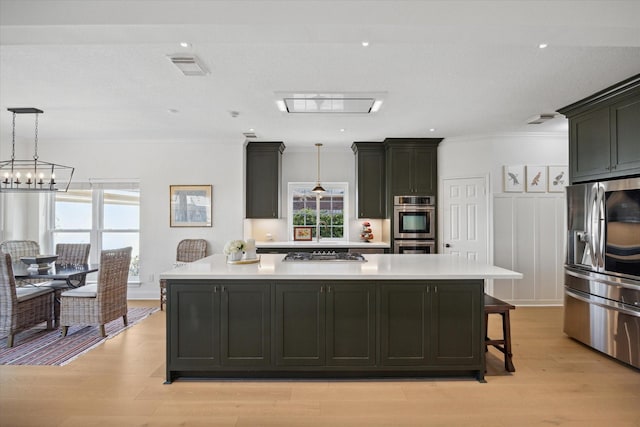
[{"x": 393, "y": 315}]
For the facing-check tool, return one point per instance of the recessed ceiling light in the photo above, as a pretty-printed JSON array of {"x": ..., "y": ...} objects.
[
  {"x": 542, "y": 45},
  {"x": 432, "y": 130},
  {"x": 342, "y": 130},
  {"x": 252, "y": 130},
  {"x": 185, "y": 44},
  {"x": 365, "y": 43}
]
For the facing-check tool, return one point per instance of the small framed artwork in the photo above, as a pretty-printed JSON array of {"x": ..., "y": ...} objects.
[
  {"x": 558, "y": 178},
  {"x": 302, "y": 233},
  {"x": 536, "y": 179},
  {"x": 190, "y": 205},
  {"x": 514, "y": 179}
]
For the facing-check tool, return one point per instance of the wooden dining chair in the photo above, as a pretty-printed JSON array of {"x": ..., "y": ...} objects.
[
  {"x": 188, "y": 250},
  {"x": 99, "y": 303},
  {"x": 21, "y": 308}
]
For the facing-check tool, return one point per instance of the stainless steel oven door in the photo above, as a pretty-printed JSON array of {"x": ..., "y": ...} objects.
[
  {"x": 414, "y": 222},
  {"x": 414, "y": 247}
]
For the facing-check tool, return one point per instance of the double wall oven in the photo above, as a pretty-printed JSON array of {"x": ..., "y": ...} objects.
[
  {"x": 602, "y": 271},
  {"x": 414, "y": 224}
]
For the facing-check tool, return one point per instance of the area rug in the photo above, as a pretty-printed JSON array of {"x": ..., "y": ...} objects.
[{"x": 37, "y": 346}]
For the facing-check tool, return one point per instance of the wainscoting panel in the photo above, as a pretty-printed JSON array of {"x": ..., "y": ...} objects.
[{"x": 529, "y": 238}]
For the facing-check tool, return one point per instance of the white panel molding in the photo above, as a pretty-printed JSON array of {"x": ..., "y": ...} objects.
[{"x": 529, "y": 238}]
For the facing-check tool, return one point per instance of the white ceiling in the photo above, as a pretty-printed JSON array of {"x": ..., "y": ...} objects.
[{"x": 99, "y": 69}]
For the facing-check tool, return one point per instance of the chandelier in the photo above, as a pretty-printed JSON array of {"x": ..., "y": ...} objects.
[
  {"x": 32, "y": 175},
  {"x": 318, "y": 188}
]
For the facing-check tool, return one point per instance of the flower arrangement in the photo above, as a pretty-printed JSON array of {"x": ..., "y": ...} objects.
[
  {"x": 365, "y": 233},
  {"x": 234, "y": 246}
]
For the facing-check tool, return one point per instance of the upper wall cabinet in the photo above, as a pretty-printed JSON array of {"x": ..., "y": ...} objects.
[
  {"x": 412, "y": 166},
  {"x": 370, "y": 179},
  {"x": 604, "y": 133},
  {"x": 264, "y": 172}
]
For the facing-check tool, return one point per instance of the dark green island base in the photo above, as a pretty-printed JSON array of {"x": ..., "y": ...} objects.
[{"x": 324, "y": 328}]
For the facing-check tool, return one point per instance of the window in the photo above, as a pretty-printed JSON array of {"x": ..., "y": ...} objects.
[
  {"x": 105, "y": 217},
  {"x": 303, "y": 208}
]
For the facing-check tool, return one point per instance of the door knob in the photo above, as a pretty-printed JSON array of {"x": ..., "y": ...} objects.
[{"x": 446, "y": 245}]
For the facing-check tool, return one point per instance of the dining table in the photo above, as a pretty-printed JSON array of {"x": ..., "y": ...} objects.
[{"x": 74, "y": 276}]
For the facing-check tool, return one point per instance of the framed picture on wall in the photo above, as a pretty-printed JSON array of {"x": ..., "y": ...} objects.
[
  {"x": 558, "y": 178},
  {"x": 514, "y": 179},
  {"x": 536, "y": 179},
  {"x": 190, "y": 205}
]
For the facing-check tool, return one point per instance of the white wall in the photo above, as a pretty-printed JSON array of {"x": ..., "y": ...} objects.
[
  {"x": 528, "y": 228},
  {"x": 157, "y": 166}
]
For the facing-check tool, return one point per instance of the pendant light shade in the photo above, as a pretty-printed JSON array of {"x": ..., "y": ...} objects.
[{"x": 318, "y": 188}]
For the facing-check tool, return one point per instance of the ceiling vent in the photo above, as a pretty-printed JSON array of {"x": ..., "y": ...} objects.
[
  {"x": 540, "y": 118},
  {"x": 328, "y": 103},
  {"x": 190, "y": 65}
]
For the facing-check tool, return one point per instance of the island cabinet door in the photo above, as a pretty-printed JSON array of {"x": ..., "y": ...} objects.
[
  {"x": 350, "y": 322},
  {"x": 300, "y": 326},
  {"x": 456, "y": 323},
  {"x": 245, "y": 324},
  {"x": 194, "y": 326},
  {"x": 404, "y": 316}
]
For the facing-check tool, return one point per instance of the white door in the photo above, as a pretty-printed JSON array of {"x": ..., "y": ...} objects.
[{"x": 465, "y": 222}]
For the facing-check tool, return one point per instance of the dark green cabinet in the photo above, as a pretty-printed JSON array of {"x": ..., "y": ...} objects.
[
  {"x": 249, "y": 328},
  {"x": 370, "y": 179},
  {"x": 404, "y": 324},
  {"x": 604, "y": 133},
  {"x": 263, "y": 179},
  {"x": 456, "y": 323},
  {"x": 245, "y": 324},
  {"x": 193, "y": 311},
  {"x": 230, "y": 320},
  {"x": 412, "y": 166},
  {"x": 321, "y": 324},
  {"x": 431, "y": 323}
]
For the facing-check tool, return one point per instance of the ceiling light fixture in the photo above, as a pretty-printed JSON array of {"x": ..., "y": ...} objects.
[
  {"x": 365, "y": 43},
  {"x": 542, "y": 45},
  {"x": 32, "y": 175},
  {"x": 432, "y": 130},
  {"x": 185, "y": 44},
  {"x": 318, "y": 188}
]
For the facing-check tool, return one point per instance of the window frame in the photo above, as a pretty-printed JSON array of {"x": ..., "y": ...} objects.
[
  {"x": 344, "y": 186},
  {"x": 97, "y": 230}
]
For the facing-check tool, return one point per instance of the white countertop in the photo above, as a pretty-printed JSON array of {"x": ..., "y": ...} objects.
[
  {"x": 377, "y": 267},
  {"x": 322, "y": 244}
]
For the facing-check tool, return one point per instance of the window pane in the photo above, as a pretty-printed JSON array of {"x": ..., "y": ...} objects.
[
  {"x": 331, "y": 203},
  {"x": 121, "y": 240},
  {"x": 73, "y": 210},
  {"x": 121, "y": 209}
]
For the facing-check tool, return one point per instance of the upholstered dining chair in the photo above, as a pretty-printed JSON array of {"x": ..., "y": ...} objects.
[
  {"x": 101, "y": 302},
  {"x": 19, "y": 248},
  {"x": 188, "y": 250},
  {"x": 21, "y": 308}
]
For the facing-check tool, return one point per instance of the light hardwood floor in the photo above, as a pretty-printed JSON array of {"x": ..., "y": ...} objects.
[{"x": 120, "y": 383}]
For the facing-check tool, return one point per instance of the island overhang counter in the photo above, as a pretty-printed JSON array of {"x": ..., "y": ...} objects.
[{"x": 393, "y": 315}]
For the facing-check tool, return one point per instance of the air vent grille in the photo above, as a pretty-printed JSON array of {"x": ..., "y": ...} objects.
[{"x": 189, "y": 65}]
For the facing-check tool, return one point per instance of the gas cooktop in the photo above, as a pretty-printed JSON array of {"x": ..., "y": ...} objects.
[{"x": 324, "y": 256}]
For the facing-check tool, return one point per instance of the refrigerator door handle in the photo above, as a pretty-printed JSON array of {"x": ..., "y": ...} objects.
[
  {"x": 602, "y": 302},
  {"x": 601, "y": 227},
  {"x": 592, "y": 226}
]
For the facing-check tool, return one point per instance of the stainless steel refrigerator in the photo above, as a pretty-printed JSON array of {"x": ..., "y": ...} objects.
[{"x": 602, "y": 270}]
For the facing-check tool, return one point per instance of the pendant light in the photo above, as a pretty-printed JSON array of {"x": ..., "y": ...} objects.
[
  {"x": 32, "y": 175},
  {"x": 318, "y": 188}
]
